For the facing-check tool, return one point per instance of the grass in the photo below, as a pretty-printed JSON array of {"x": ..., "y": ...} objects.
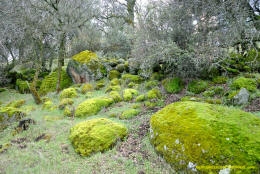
[{"x": 58, "y": 156}]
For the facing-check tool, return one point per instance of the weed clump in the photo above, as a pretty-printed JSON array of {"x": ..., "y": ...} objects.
[
  {"x": 197, "y": 86},
  {"x": 96, "y": 135},
  {"x": 174, "y": 85}
]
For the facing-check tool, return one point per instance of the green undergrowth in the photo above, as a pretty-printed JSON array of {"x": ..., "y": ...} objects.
[{"x": 56, "y": 153}]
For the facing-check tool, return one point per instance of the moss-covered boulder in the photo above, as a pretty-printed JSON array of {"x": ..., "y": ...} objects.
[
  {"x": 96, "y": 135},
  {"x": 9, "y": 115},
  {"x": 64, "y": 102},
  {"x": 154, "y": 94},
  {"x": 173, "y": 85},
  {"x": 92, "y": 106},
  {"x": 113, "y": 74},
  {"x": 85, "y": 67},
  {"x": 200, "y": 134},
  {"x": 132, "y": 78},
  {"x": 49, "y": 105},
  {"x": 140, "y": 98},
  {"x": 22, "y": 86},
  {"x": 86, "y": 88},
  {"x": 151, "y": 84},
  {"x": 197, "y": 86},
  {"x": 49, "y": 83},
  {"x": 130, "y": 113},
  {"x": 128, "y": 94},
  {"x": 68, "y": 93},
  {"x": 242, "y": 82},
  {"x": 100, "y": 84},
  {"x": 115, "y": 96}
]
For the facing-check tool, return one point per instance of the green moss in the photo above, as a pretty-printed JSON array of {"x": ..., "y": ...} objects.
[
  {"x": 154, "y": 94},
  {"x": 22, "y": 86},
  {"x": 115, "y": 82},
  {"x": 242, "y": 82},
  {"x": 206, "y": 135},
  {"x": 68, "y": 111},
  {"x": 64, "y": 102},
  {"x": 149, "y": 104},
  {"x": 128, "y": 94},
  {"x": 219, "y": 80},
  {"x": 197, "y": 86},
  {"x": 85, "y": 56},
  {"x": 140, "y": 98},
  {"x": 92, "y": 106},
  {"x": 174, "y": 85},
  {"x": 48, "y": 105},
  {"x": 113, "y": 74},
  {"x": 9, "y": 115},
  {"x": 68, "y": 93},
  {"x": 130, "y": 113},
  {"x": 113, "y": 88},
  {"x": 208, "y": 93},
  {"x": 100, "y": 84},
  {"x": 86, "y": 88},
  {"x": 16, "y": 103},
  {"x": 49, "y": 83},
  {"x": 115, "y": 96},
  {"x": 131, "y": 85},
  {"x": 96, "y": 135},
  {"x": 132, "y": 78},
  {"x": 157, "y": 76}
]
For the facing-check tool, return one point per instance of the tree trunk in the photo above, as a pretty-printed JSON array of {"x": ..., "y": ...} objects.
[
  {"x": 32, "y": 87},
  {"x": 60, "y": 60}
]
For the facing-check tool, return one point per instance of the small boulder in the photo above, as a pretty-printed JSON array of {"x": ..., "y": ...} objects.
[
  {"x": 96, "y": 135},
  {"x": 242, "y": 97}
]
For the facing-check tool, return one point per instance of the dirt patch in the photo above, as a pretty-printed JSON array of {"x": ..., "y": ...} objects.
[
  {"x": 20, "y": 143},
  {"x": 254, "y": 106}
]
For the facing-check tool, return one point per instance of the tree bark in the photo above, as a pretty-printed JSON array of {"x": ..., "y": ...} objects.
[
  {"x": 60, "y": 60},
  {"x": 32, "y": 87}
]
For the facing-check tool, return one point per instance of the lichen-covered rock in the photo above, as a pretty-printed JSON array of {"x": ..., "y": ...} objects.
[
  {"x": 16, "y": 103},
  {"x": 128, "y": 94},
  {"x": 113, "y": 74},
  {"x": 68, "y": 93},
  {"x": 173, "y": 85},
  {"x": 96, "y": 135},
  {"x": 129, "y": 113},
  {"x": 92, "y": 106},
  {"x": 85, "y": 67},
  {"x": 242, "y": 97},
  {"x": 86, "y": 88},
  {"x": 242, "y": 82},
  {"x": 49, "y": 83},
  {"x": 9, "y": 115},
  {"x": 206, "y": 135},
  {"x": 154, "y": 94},
  {"x": 115, "y": 96},
  {"x": 197, "y": 86}
]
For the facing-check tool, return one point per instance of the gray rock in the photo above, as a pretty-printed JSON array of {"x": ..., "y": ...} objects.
[{"x": 242, "y": 97}]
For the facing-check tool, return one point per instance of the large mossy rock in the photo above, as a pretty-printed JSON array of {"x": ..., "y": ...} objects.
[
  {"x": 9, "y": 115},
  {"x": 200, "y": 134},
  {"x": 49, "y": 83},
  {"x": 96, "y": 135},
  {"x": 85, "y": 67},
  {"x": 92, "y": 106}
]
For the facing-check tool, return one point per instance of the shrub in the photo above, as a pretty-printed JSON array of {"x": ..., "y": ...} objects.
[
  {"x": 22, "y": 86},
  {"x": 68, "y": 93},
  {"x": 219, "y": 80},
  {"x": 242, "y": 82},
  {"x": 115, "y": 96},
  {"x": 132, "y": 78},
  {"x": 219, "y": 135},
  {"x": 197, "y": 86},
  {"x": 113, "y": 88},
  {"x": 96, "y": 135},
  {"x": 173, "y": 85},
  {"x": 92, "y": 106},
  {"x": 151, "y": 84},
  {"x": 100, "y": 84},
  {"x": 140, "y": 98},
  {"x": 114, "y": 82}
]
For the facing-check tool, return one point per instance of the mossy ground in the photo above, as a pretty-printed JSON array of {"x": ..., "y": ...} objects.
[{"x": 57, "y": 155}]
